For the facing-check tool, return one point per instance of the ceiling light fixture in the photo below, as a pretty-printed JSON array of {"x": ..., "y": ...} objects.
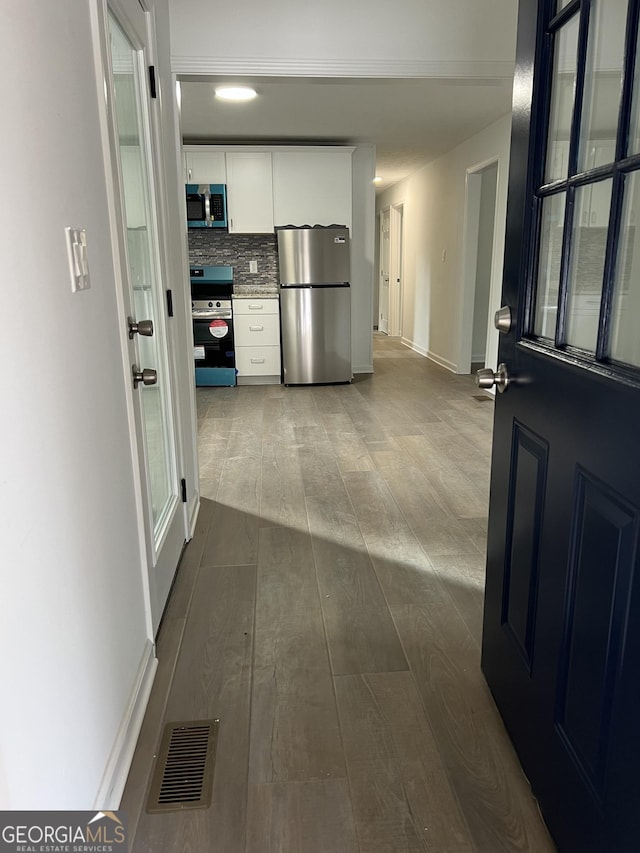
[
  {"x": 235, "y": 93},
  {"x": 377, "y": 179}
]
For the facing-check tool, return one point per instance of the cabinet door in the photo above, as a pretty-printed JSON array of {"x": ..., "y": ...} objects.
[
  {"x": 249, "y": 192},
  {"x": 205, "y": 167},
  {"x": 256, "y": 331},
  {"x": 258, "y": 361},
  {"x": 312, "y": 188},
  {"x": 256, "y": 306}
]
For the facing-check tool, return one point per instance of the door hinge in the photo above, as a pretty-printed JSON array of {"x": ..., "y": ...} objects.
[
  {"x": 169, "y": 303},
  {"x": 152, "y": 81},
  {"x": 183, "y": 490}
]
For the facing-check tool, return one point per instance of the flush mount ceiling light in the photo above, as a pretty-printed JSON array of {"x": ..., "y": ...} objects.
[
  {"x": 377, "y": 179},
  {"x": 235, "y": 93}
]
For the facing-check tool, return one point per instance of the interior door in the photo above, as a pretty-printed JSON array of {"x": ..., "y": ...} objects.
[
  {"x": 395, "y": 268},
  {"x": 561, "y": 641},
  {"x": 137, "y": 236},
  {"x": 385, "y": 258}
]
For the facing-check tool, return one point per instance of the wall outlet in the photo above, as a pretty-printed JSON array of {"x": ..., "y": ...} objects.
[
  {"x": 444, "y": 256},
  {"x": 253, "y": 266}
]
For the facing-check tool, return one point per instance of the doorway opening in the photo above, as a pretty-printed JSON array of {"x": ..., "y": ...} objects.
[
  {"x": 391, "y": 271},
  {"x": 479, "y": 264}
]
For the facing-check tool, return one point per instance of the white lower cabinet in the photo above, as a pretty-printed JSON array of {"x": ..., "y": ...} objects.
[{"x": 256, "y": 324}]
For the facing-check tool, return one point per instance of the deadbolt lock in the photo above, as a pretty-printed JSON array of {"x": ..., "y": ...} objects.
[
  {"x": 147, "y": 376},
  {"x": 502, "y": 319}
]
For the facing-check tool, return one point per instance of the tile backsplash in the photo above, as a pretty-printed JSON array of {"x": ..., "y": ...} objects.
[{"x": 208, "y": 246}]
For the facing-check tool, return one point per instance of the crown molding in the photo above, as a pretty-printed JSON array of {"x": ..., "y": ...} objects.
[{"x": 358, "y": 68}]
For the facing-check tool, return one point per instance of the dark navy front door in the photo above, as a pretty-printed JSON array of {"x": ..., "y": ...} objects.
[{"x": 561, "y": 643}]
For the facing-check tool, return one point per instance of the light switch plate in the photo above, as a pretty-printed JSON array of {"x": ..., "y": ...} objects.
[
  {"x": 253, "y": 266},
  {"x": 77, "y": 256}
]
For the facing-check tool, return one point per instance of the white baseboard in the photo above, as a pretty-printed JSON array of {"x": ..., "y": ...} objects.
[
  {"x": 432, "y": 356},
  {"x": 117, "y": 769},
  {"x": 414, "y": 346},
  {"x": 443, "y": 362}
]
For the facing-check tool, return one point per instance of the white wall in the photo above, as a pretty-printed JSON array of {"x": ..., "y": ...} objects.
[
  {"x": 488, "y": 184},
  {"x": 73, "y": 630},
  {"x": 451, "y": 37},
  {"x": 434, "y": 207}
]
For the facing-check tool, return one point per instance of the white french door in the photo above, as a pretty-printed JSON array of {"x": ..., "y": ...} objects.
[{"x": 136, "y": 231}]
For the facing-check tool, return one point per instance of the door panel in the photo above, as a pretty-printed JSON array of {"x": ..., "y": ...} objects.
[
  {"x": 561, "y": 639},
  {"x": 526, "y": 501},
  {"x": 600, "y": 567},
  {"x": 137, "y": 237},
  {"x": 142, "y": 268},
  {"x": 385, "y": 257}
]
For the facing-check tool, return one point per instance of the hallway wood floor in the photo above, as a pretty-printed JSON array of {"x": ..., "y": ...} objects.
[{"x": 328, "y": 611}]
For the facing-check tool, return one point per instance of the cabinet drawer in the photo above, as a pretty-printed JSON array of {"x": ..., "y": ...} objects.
[
  {"x": 258, "y": 361},
  {"x": 262, "y": 331},
  {"x": 256, "y": 306}
]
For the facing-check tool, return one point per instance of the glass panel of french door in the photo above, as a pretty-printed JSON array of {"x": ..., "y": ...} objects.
[
  {"x": 143, "y": 264},
  {"x": 602, "y": 83},
  {"x": 550, "y": 254},
  {"x": 562, "y": 98},
  {"x": 588, "y": 252},
  {"x": 634, "y": 133},
  {"x": 589, "y": 244},
  {"x": 625, "y": 336}
]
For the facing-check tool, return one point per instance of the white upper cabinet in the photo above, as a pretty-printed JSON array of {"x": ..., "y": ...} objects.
[
  {"x": 205, "y": 166},
  {"x": 249, "y": 192},
  {"x": 312, "y": 187}
]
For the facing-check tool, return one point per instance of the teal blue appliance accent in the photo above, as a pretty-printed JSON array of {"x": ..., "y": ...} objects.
[
  {"x": 206, "y": 205},
  {"x": 207, "y": 377},
  {"x": 212, "y": 315}
]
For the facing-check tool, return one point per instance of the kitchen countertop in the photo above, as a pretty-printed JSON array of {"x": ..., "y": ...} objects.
[{"x": 248, "y": 291}]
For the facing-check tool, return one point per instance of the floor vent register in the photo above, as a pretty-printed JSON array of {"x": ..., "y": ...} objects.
[{"x": 183, "y": 777}]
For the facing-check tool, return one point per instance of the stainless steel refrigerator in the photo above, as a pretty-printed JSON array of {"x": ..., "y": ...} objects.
[{"x": 315, "y": 304}]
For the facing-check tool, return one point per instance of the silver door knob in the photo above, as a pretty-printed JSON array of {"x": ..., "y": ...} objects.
[
  {"x": 147, "y": 376},
  {"x": 144, "y": 328},
  {"x": 486, "y": 378}
]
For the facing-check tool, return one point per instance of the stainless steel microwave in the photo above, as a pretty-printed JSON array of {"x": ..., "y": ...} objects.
[{"x": 206, "y": 206}]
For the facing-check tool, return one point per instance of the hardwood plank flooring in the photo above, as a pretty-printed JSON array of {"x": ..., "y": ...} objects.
[
  {"x": 301, "y": 817},
  {"x": 395, "y": 769},
  {"x": 295, "y": 733},
  {"x": 328, "y": 611}
]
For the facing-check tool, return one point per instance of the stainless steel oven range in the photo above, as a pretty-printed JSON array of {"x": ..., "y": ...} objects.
[{"x": 211, "y": 311}]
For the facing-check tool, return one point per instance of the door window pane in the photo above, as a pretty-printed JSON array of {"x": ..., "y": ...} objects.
[
  {"x": 562, "y": 98},
  {"x": 625, "y": 335},
  {"x": 549, "y": 265},
  {"x": 603, "y": 83},
  {"x": 141, "y": 256},
  {"x": 634, "y": 134},
  {"x": 589, "y": 245}
]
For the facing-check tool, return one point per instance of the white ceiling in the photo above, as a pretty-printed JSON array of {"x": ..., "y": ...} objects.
[{"x": 410, "y": 121}]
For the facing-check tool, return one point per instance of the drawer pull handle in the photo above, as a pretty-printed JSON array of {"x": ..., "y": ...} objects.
[
  {"x": 256, "y": 328},
  {"x": 256, "y": 307},
  {"x": 257, "y": 361}
]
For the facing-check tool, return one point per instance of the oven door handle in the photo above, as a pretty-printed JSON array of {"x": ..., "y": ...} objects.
[{"x": 221, "y": 316}]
